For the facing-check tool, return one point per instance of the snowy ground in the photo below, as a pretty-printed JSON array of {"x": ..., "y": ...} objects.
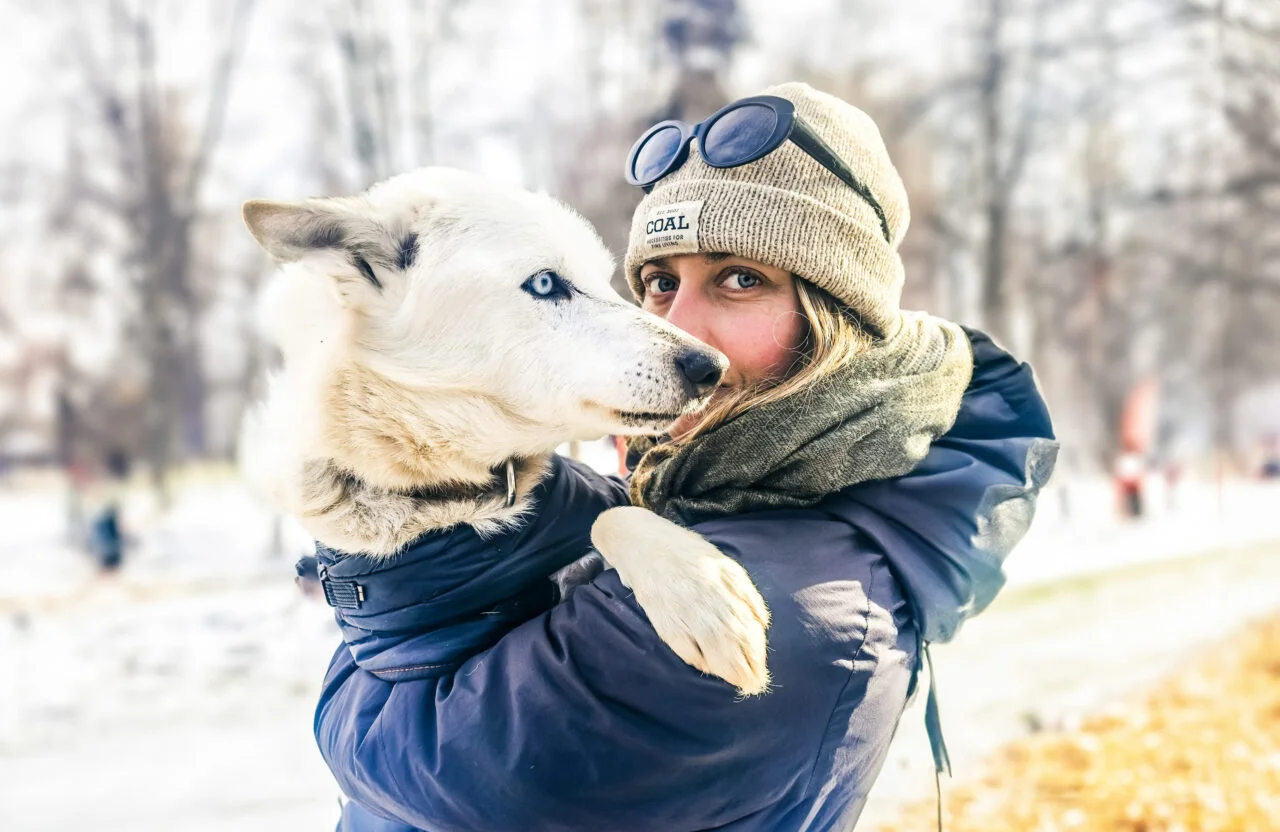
[
  {"x": 178, "y": 695},
  {"x": 175, "y": 696}
]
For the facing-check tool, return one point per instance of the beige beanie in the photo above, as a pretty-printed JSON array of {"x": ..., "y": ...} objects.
[{"x": 787, "y": 210}]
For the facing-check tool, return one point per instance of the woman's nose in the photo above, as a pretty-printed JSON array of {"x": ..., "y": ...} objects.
[{"x": 687, "y": 312}]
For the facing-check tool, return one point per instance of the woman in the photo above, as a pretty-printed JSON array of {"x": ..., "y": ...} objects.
[{"x": 813, "y": 466}]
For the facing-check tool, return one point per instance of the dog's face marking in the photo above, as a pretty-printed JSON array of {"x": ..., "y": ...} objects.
[
  {"x": 485, "y": 308},
  {"x": 408, "y": 251}
]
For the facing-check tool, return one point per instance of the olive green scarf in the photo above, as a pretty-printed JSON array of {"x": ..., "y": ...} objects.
[{"x": 872, "y": 419}]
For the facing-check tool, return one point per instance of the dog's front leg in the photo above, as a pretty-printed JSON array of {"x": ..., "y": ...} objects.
[{"x": 701, "y": 602}]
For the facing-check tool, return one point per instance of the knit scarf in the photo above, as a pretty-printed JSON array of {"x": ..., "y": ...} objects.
[{"x": 872, "y": 419}]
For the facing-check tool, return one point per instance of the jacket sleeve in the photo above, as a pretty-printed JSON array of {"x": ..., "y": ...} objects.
[
  {"x": 577, "y": 719},
  {"x": 981, "y": 481}
]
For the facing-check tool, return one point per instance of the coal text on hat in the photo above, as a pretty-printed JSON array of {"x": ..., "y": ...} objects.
[{"x": 673, "y": 229}]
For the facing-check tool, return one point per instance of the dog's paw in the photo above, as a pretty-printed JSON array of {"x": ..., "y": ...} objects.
[{"x": 701, "y": 602}]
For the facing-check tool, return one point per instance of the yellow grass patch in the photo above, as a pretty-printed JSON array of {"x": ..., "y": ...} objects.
[{"x": 1200, "y": 754}]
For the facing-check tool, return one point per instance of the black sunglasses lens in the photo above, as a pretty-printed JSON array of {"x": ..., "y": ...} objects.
[
  {"x": 739, "y": 135},
  {"x": 655, "y": 154}
]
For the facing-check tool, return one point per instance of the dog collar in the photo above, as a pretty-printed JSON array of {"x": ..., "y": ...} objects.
[
  {"x": 511, "y": 483},
  {"x": 456, "y": 492}
]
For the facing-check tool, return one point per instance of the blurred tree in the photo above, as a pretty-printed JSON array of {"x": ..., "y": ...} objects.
[
  {"x": 1245, "y": 259},
  {"x": 1107, "y": 307},
  {"x": 620, "y": 58},
  {"x": 387, "y": 52},
  {"x": 368, "y": 79},
  {"x": 157, "y": 163},
  {"x": 699, "y": 37},
  {"x": 1217, "y": 211},
  {"x": 985, "y": 118}
]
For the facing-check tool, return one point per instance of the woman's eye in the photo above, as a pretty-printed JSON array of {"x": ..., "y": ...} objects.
[
  {"x": 661, "y": 284},
  {"x": 742, "y": 280}
]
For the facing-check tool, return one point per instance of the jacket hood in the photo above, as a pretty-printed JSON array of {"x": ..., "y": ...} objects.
[{"x": 947, "y": 527}]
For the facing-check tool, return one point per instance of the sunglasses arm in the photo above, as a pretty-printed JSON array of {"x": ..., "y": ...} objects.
[{"x": 811, "y": 143}]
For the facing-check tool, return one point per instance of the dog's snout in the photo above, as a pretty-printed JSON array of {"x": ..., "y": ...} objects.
[{"x": 700, "y": 370}]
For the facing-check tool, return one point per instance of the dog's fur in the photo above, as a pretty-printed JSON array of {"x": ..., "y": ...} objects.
[{"x": 418, "y": 364}]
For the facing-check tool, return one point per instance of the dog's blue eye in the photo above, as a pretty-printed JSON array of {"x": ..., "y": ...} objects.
[{"x": 547, "y": 285}]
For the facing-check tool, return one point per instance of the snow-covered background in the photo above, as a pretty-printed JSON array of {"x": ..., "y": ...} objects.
[{"x": 174, "y": 695}]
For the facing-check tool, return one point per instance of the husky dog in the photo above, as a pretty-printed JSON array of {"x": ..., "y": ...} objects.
[{"x": 441, "y": 335}]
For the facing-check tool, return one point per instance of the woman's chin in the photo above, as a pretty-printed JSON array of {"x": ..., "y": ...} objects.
[
  {"x": 688, "y": 421},
  {"x": 684, "y": 424}
]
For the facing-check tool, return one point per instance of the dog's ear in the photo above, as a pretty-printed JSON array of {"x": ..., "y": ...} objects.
[{"x": 288, "y": 230}]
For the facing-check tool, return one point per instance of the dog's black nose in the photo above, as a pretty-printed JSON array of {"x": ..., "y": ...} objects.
[{"x": 700, "y": 370}]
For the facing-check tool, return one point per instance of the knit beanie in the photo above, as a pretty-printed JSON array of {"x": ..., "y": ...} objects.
[{"x": 787, "y": 210}]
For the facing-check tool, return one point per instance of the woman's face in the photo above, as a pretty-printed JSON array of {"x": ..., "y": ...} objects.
[{"x": 745, "y": 309}]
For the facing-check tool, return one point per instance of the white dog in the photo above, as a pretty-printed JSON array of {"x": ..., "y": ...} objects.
[{"x": 441, "y": 335}]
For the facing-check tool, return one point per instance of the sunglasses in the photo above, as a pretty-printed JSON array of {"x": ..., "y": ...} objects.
[{"x": 736, "y": 135}]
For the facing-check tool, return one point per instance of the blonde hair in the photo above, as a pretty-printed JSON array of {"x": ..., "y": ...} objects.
[{"x": 833, "y": 336}]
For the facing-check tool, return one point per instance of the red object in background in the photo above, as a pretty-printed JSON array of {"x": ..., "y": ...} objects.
[
  {"x": 620, "y": 445},
  {"x": 81, "y": 476},
  {"x": 1137, "y": 435},
  {"x": 1130, "y": 473},
  {"x": 1139, "y": 417}
]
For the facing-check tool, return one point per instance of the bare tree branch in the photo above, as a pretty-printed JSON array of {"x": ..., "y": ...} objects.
[
  {"x": 1027, "y": 111},
  {"x": 215, "y": 115}
]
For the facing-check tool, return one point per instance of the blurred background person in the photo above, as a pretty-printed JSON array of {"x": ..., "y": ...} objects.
[{"x": 106, "y": 538}]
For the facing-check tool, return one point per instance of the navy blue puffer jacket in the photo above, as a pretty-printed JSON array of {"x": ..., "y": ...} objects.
[{"x": 463, "y": 700}]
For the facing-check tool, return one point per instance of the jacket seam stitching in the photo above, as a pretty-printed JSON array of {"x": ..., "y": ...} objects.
[
  {"x": 382, "y": 746},
  {"x": 407, "y": 668},
  {"x": 866, "y": 633}
]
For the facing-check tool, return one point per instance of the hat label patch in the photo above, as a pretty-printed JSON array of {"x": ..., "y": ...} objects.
[{"x": 673, "y": 229}]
